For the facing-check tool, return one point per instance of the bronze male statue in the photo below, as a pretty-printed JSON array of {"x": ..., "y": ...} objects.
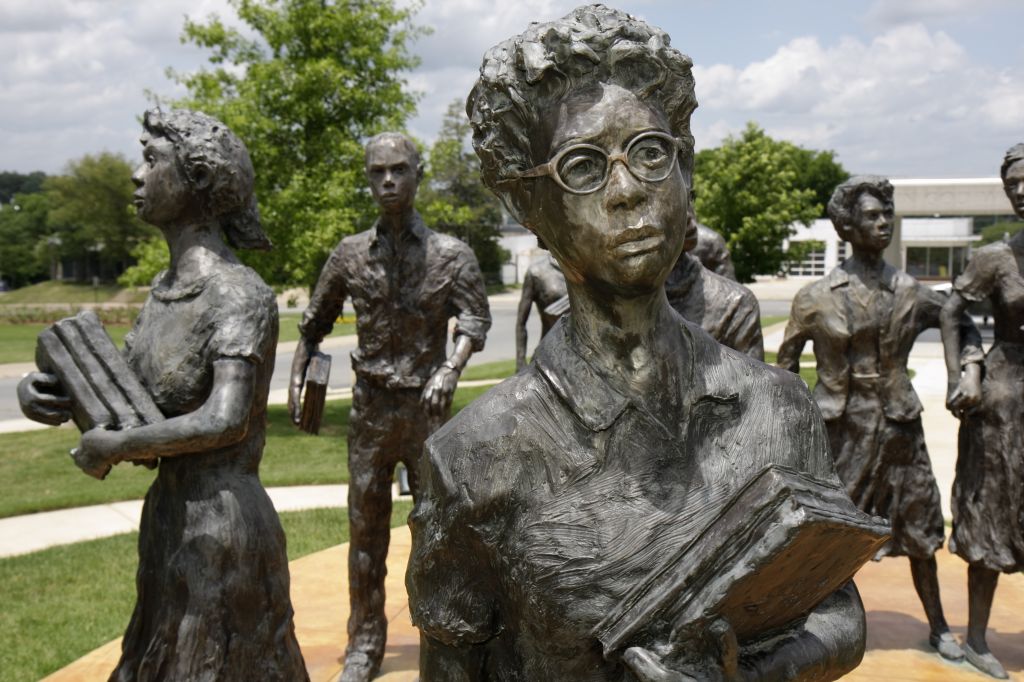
[
  {"x": 405, "y": 282},
  {"x": 713, "y": 253},
  {"x": 863, "y": 318},
  {"x": 723, "y": 307},
  {"x": 548, "y": 502},
  {"x": 543, "y": 286}
]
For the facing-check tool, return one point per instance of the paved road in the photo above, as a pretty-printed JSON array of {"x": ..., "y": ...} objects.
[{"x": 501, "y": 345}]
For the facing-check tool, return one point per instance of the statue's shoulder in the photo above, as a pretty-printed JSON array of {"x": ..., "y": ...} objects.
[{"x": 724, "y": 371}]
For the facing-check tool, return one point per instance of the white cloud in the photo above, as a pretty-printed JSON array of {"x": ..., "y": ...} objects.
[{"x": 896, "y": 104}]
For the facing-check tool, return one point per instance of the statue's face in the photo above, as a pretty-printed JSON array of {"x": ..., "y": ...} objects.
[
  {"x": 391, "y": 170},
  {"x": 871, "y": 227},
  {"x": 163, "y": 195},
  {"x": 1013, "y": 183},
  {"x": 626, "y": 236}
]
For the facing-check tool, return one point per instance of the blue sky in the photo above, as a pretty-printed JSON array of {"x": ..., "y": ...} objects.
[{"x": 925, "y": 88}]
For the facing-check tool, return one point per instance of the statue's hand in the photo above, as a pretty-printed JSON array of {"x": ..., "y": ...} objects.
[
  {"x": 96, "y": 453},
  {"x": 438, "y": 392},
  {"x": 43, "y": 400},
  {"x": 966, "y": 394},
  {"x": 718, "y": 660},
  {"x": 648, "y": 667},
  {"x": 300, "y": 361}
]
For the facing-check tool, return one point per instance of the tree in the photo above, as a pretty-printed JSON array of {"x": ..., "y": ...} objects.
[
  {"x": 999, "y": 231},
  {"x": 454, "y": 200},
  {"x": 753, "y": 189},
  {"x": 23, "y": 225},
  {"x": 91, "y": 213},
  {"x": 151, "y": 257},
  {"x": 12, "y": 183},
  {"x": 303, "y": 95}
]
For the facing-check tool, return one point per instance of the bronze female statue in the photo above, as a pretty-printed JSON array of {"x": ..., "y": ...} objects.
[
  {"x": 988, "y": 492},
  {"x": 213, "y": 580},
  {"x": 548, "y": 499},
  {"x": 863, "y": 318}
]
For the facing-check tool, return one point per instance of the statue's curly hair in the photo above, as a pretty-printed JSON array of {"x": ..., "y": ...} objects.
[
  {"x": 844, "y": 198},
  {"x": 201, "y": 140},
  {"x": 522, "y": 77},
  {"x": 1013, "y": 155}
]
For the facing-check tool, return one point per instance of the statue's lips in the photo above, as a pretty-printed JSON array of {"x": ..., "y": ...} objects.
[{"x": 638, "y": 240}]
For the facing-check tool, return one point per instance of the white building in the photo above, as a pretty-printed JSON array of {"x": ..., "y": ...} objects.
[{"x": 937, "y": 221}]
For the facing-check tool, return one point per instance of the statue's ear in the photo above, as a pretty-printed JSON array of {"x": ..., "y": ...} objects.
[{"x": 201, "y": 175}]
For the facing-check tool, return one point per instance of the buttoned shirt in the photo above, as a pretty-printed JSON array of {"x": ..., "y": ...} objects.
[
  {"x": 404, "y": 292},
  {"x": 548, "y": 498},
  {"x": 820, "y": 314}
]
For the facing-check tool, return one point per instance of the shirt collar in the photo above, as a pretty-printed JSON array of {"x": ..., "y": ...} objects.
[
  {"x": 840, "y": 277},
  {"x": 579, "y": 385},
  {"x": 418, "y": 231}
]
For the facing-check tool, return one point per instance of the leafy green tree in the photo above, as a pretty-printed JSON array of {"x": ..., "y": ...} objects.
[
  {"x": 752, "y": 189},
  {"x": 316, "y": 79},
  {"x": 454, "y": 200},
  {"x": 12, "y": 183},
  {"x": 151, "y": 257},
  {"x": 91, "y": 213},
  {"x": 22, "y": 224},
  {"x": 997, "y": 231}
]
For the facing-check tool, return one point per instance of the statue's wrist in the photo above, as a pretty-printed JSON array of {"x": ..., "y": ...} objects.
[{"x": 451, "y": 366}]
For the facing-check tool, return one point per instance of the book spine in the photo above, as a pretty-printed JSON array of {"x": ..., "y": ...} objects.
[
  {"x": 87, "y": 410},
  {"x": 115, "y": 365},
  {"x": 102, "y": 383}
]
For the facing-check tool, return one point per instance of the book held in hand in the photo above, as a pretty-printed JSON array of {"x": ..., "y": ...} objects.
[
  {"x": 780, "y": 546},
  {"x": 104, "y": 391},
  {"x": 318, "y": 372}
]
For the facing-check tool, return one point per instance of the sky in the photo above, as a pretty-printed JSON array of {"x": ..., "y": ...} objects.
[{"x": 904, "y": 88}]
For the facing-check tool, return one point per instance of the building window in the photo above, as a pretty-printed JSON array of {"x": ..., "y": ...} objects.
[
  {"x": 935, "y": 262},
  {"x": 812, "y": 266},
  {"x": 841, "y": 252}
]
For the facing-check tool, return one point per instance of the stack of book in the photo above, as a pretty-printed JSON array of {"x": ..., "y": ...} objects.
[{"x": 104, "y": 391}]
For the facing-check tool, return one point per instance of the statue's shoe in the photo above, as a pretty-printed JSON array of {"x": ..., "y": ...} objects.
[
  {"x": 359, "y": 667},
  {"x": 947, "y": 646},
  {"x": 986, "y": 663}
]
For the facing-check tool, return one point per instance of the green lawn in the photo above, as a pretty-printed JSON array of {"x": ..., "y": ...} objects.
[
  {"x": 63, "y": 602},
  {"x": 769, "y": 320},
  {"x": 290, "y": 329},
  {"x": 64, "y": 292},
  {"x": 36, "y": 473},
  {"x": 18, "y": 341}
]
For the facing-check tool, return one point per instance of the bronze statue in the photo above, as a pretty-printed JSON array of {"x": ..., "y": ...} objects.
[
  {"x": 547, "y": 503},
  {"x": 863, "y": 318},
  {"x": 710, "y": 247},
  {"x": 724, "y": 308},
  {"x": 405, "y": 282},
  {"x": 543, "y": 286},
  {"x": 213, "y": 579},
  {"x": 988, "y": 492}
]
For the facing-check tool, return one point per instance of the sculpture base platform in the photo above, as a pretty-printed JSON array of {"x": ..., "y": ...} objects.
[{"x": 897, "y": 631}]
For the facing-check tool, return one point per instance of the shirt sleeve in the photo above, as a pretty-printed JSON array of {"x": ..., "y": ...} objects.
[
  {"x": 327, "y": 299},
  {"x": 978, "y": 280},
  {"x": 450, "y": 581},
  {"x": 246, "y": 322},
  {"x": 469, "y": 298}
]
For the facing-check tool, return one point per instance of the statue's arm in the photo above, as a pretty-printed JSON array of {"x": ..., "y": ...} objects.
[
  {"x": 325, "y": 304},
  {"x": 749, "y": 339},
  {"x": 829, "y": 644},
  {"x": 222, "y": 420},
  {"x": 963, "y": 391},
  {"x": 442, "y": 663},
  {"x": 797, "y": 334},
  {"x": 522, "y": 315}
]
